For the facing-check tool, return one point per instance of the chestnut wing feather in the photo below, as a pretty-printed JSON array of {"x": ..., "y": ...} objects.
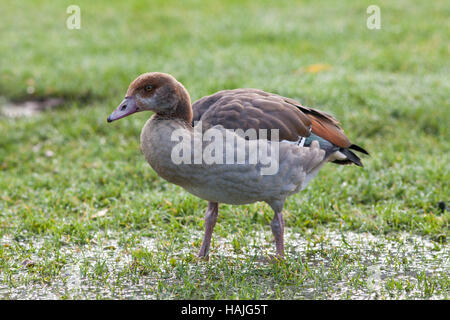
[
  {"x": 253, "y": 108},
  {"x": 324, "y": 125}
]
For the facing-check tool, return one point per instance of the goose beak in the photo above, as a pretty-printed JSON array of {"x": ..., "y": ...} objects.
[{"x": 126, "y": 107}]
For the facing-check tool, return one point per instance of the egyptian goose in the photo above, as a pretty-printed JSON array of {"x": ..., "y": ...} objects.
[{"x": 307, "y": 139}]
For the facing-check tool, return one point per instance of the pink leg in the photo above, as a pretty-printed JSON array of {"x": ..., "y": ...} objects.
[
  {"x": 210, "y": 221},
  {"x": 277, "y": 225}
]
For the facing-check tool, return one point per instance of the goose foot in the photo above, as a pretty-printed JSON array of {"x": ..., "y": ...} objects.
[{"x": 274, "y": 259}]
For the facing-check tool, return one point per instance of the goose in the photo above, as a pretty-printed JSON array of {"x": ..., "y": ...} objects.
[{"x": 300, "y": 139}]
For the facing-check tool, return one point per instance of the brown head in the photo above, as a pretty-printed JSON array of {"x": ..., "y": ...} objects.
[{"x": 157, "y": 92}]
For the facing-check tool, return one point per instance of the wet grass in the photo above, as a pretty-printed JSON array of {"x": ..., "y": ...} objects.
[
  {"x": 83, "y": 216},
  {"x": 320, "y": 265}
]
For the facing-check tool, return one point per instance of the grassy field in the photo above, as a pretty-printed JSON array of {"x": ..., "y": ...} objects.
[{"x": 83, "y": 216}]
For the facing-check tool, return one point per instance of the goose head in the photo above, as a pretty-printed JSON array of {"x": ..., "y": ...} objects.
[{"x": 157, "y": 92}]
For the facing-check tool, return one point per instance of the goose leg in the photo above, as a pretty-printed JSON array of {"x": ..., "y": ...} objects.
[
  {"x": 210, "y": 221},
  {"x": 277, "y": 225}
]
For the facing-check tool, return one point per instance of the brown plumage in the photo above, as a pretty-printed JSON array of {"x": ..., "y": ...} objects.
[
  {"x": 325, "y": 126},
  {"x": 256, "y": 109},
  {"x": 174, "y": 94}
]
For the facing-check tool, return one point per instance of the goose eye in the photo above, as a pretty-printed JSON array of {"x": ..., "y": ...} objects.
[{"x": 148, "y": 88}]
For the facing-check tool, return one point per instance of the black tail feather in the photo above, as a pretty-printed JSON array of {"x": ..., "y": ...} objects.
[
  {"x": 352, "y": 157},
  {"x": 358, "y": 148}
]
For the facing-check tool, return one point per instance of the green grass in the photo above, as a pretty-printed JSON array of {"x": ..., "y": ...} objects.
[{"x": 389, "y": 88}]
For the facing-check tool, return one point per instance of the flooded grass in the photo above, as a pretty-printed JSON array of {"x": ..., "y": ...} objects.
[
  {"x": 83, "y": 216},
  {"x": 326, "y": 265}
]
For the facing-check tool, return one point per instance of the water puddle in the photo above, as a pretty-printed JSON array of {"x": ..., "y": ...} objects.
[
  {"x": 28, "y": 108},
  {"x": 333, "y": 265}
]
